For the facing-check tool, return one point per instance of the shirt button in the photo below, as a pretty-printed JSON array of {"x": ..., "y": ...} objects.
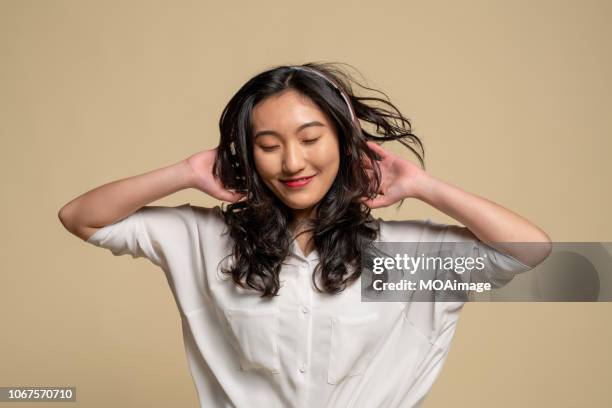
[
  {"x": 303, "y": 368},
  {"x": 305, "y": 309}
]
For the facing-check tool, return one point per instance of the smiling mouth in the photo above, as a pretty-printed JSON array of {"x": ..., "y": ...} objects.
[
  {"x": 297, "y": 182},
  {"x": 297, "y": 179}
]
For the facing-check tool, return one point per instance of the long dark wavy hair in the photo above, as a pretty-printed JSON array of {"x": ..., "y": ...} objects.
[{"x": 259, "y": 224}]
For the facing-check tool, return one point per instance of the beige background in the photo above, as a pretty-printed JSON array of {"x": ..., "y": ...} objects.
[{"x": 512, "y": 100}]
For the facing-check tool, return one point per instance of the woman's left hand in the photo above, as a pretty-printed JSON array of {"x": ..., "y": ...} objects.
[{"x": 399, "y": 178}]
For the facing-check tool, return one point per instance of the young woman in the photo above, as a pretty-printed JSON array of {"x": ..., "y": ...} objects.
[{"x": 268, "y": 287}]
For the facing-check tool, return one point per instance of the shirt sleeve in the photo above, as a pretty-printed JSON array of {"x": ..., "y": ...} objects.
[
  {"x": 499, "y": 268},
  {"x": 151, "y": 232},
  {"x": 438, "y": 312}
]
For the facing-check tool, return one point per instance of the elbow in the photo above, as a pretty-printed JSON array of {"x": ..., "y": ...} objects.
[
  {"x": 61, "y": 215},
  {"x": 64, "y": 217},
  {"x": 67, "y": 216},
  {"x": 548, "y": 248},
  {"x": 533, "y": 250},
  {"x": 543, "y": 248}
]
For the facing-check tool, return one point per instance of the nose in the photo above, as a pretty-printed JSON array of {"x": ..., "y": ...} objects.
[{"x": 293, "y": 159}]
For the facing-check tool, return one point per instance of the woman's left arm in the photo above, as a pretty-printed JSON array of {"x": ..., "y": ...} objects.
[{"x": 491, "y": 223}]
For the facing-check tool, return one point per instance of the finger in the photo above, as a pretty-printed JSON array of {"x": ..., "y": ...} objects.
[
  {"x": 367, "y": 163},
  {"x": 375, "y": 202},
  {"x": 378, "y": 149},
  {"x": 372, "y": 177},
  {"x": 231, "y": 197},
  {"x": 370, "y": 202},
  {"x": 378, "y": 202},
  {"x": 365, "y": 200}
]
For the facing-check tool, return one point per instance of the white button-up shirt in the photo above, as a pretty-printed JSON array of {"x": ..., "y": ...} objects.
[{"x": 301, "y": 348}]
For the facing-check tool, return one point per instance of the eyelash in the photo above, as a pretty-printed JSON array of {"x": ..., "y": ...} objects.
[{"x": 270, "y": 148}]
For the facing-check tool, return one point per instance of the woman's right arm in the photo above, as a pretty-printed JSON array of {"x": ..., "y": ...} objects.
[{"x": 113, "y": 201}]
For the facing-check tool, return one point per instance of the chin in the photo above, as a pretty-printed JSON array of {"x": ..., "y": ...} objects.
[{"x": 299, "y": 207}]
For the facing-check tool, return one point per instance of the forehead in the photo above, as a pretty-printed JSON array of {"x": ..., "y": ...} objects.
[{"x": 286, "y": 110}]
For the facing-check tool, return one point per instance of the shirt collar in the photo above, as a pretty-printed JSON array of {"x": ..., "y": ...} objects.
[
  {"x": 297, "y": 252},
  {"x": 314, "y": 254}
]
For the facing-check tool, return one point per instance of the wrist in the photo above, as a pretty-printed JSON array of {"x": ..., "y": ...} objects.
[
  {"x": 421, "y": 186},
  {"x": 184, "y": 174}
]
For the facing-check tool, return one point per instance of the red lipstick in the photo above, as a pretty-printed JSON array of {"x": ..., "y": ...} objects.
[{"x": 297, "y": 182}]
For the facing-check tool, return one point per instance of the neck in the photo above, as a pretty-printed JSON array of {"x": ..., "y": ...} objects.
[
  {"x": 299, "y": 223},
  {"x": 299, "y": 216},
  {"x": 302, "y": 236}
]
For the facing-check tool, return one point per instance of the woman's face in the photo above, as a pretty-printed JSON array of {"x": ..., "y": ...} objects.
[{"x": 293, "y": 138}]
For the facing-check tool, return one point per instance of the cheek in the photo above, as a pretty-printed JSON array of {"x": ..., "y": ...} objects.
[
  {"x": 267, "y": 170},
  {"x": 328, "y": 158},
  {"x": 264, "y": 167}
]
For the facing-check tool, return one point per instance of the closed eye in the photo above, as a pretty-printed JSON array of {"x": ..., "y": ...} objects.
[{"x": 306, "y": 141}]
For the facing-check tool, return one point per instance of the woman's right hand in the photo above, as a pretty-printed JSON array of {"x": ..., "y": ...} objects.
[{"x": 203, "y": 179}]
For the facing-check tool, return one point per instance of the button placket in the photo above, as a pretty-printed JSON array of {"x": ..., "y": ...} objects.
[
  {"x": 304, "y": 296},
  {"x": 304, "y": 311}
]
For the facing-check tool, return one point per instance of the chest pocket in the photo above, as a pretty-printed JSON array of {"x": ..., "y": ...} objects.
[
  {"x": 256, "y": 334},
  {"x": 352, "y": 343}
]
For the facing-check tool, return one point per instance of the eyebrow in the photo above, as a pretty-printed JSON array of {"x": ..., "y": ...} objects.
[{"x": 300, "y": 128}]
